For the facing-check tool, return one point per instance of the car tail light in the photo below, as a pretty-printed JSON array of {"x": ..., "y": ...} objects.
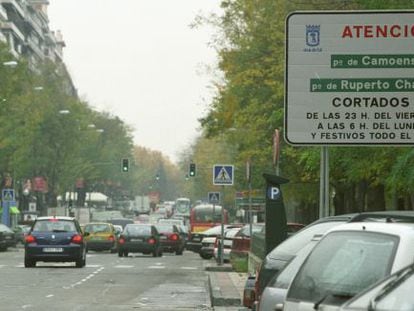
[
  {"x": 121, "y": 241},
  {"x": 111, "y": 238},
  {"x": 30, "y": 239},
  {"x": 151, "y": 241},
  {"x": 77, "y": 238},
  {"x": 249, "y": 292},
  {"x": 173, "y": 237}
]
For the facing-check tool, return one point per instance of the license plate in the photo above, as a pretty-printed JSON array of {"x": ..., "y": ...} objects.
[
  {"x": 196, "y": 239},
  {"x": 97, "y": 238},
  {"x": 8, "y": 238},
  {"x": 52, "y": 250},
  {"x": 163, "y": 237},
  {"x": 136, "y": 240}
]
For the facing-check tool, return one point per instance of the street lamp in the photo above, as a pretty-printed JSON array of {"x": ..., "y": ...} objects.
[{"x": 64, "y": 111}]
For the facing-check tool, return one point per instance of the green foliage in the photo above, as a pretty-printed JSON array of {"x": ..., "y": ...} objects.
[{"x": 248, "y": 106}]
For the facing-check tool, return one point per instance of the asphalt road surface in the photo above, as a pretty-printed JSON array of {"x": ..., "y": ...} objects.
[{"x": 108, "y": 282}]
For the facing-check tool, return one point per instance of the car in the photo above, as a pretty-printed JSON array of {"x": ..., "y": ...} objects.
[
  {"x": 7, "y": 237},
  {"x": 275, "y": 291},
  {"x": 171, "y": 240},
  {"x": 140, "y": 238},
  {"x": 390, "y": 294},
  {"x": 227, "y": 243},
  {"x": 55, "y": 239},
  {"x": 195, "y": 239},
  {"x": 100, "y": 236},
  {"x": 348, "y": 259},
  {"x": 120, "y": 222},
  {"x": 286, "y": 251},
  {"x": 20, "y": 232}
]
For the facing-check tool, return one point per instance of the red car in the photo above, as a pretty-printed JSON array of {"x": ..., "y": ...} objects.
[{"x": 170, "y": 238}]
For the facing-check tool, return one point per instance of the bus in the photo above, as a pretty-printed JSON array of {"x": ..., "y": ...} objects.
[
  {"x": 182, "y": 207},
  {"x": 205, "y": 216}
]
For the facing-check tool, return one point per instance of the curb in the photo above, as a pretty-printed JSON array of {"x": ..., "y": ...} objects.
[{"x": 216, "y": 294}]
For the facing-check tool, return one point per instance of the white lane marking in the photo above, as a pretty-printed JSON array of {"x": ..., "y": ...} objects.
[
  {"x": 93, "y": 266},
  {"x": 26, "y": 306},
  {"x": 188, "y": 268},
  {"x": 49, "y": 296},
  {"x": 124, "y": 266},
  {"x": 84, "y": 279},
  {"x": 156, "y": 267}
]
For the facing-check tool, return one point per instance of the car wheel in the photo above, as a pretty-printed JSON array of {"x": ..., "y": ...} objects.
[
  {"x": 179, "y": 252},
  {"x": 205, "y": 256},
  {"x": 80, "y": 263},
  {"x": 113, "y": 250},
  {"x": 29, "y": 263}
]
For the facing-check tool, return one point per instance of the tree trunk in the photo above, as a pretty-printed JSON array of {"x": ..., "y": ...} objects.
[{"x": 376, "y": 198}]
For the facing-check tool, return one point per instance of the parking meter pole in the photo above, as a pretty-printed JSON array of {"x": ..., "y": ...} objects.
[{"x": 276, "y": 222}]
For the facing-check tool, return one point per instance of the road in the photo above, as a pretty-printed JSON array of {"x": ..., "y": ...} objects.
[{"x": 108, "y": 282}]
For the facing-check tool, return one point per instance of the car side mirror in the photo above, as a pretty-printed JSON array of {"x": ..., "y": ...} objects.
[
  {"x": 86, "y": 234},
  {"x": 279, "y": 307}
]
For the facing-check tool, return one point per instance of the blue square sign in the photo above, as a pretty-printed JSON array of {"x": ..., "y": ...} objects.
[{"x": 223, "y": 175}]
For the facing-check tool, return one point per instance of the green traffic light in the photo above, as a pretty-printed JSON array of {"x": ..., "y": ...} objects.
[{"x": 192, "y": 171}]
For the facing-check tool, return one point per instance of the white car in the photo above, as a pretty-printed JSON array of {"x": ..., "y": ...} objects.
[
  {"x": 348, "y": 259},
  {"x": 227, "y": 242}
]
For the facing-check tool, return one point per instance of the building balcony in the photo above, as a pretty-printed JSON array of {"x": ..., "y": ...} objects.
[
  {"x": 14, "y": 5},
  {"x": 9, "y": 26}
]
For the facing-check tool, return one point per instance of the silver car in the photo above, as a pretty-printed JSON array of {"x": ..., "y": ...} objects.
[
  {"x": 391, "y": 294},
  {"x": 274, "y": 293}
]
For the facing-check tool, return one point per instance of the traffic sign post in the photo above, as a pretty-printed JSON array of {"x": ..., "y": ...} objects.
[
  {"x": 349, "y": 78},
  {"x": 7, "y": 196},
  {"x": 223, "y": 175}
]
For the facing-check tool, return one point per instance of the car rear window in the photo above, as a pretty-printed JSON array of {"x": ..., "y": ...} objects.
[
  {"x": 97, "y": 228},
  {"x": 343, "y": 264},
  {"x": 54, "y": 225},
  {"x": 138, "y": 230},
  {"x": 164, "y": 228}
]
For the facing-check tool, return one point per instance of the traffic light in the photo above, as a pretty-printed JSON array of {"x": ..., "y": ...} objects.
[
  {"x": 125, "y": 165},
  {"x": 192, "y": 171}
]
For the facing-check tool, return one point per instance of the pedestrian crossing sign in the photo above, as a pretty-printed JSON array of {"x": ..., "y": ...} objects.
[
  {"x": 7, "y": 195},
  {"x": 214, "y": 197},
  {"x": 223, "y": 175}
]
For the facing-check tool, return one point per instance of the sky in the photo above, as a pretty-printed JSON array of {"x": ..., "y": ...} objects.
[{"x": 141, "y": 61}]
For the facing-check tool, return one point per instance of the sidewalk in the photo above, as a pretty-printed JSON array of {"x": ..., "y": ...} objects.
[{"x": 226, "y": 287}]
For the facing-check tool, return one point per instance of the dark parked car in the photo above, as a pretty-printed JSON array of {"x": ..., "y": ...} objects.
[
  {"x": 55, "y": 239},
  {"x": 171, "y": 240},
  {"x": 140, "y": 238},
  {"x": 7, "y": 237}
]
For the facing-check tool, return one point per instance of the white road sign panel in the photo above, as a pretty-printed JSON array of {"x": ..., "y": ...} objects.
[
  {"x": 223, "y": 174},
  {"x": 349, "y": 78}
]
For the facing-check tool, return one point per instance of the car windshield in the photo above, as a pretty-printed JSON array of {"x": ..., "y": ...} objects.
[
  {"x": 343, "y": 264},
  {"x": 164, "y": 228},
  {"x": 54, "y": 226}
]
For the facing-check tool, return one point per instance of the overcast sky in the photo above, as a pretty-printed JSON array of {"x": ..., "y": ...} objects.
[{"x": 139, "y": 60}]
